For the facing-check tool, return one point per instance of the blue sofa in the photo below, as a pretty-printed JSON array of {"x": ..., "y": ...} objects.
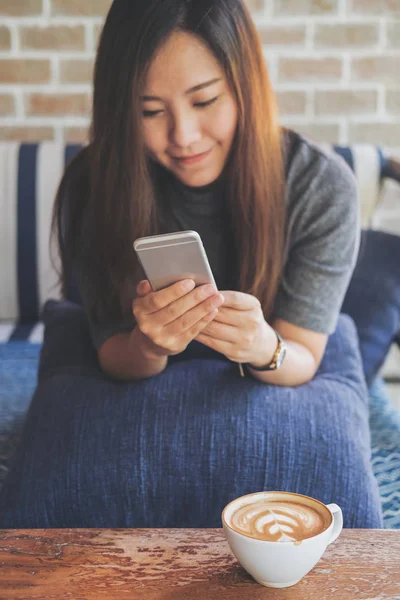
[{"x": 31, "y": 173}]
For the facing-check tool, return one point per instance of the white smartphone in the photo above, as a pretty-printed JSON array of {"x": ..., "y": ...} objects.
[{"x": 171, "y": 257}]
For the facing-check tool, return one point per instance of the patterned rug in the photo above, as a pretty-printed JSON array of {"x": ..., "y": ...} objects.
[
  {"x": 385, "y": 445},
  {"x": 18, "y": 368}
]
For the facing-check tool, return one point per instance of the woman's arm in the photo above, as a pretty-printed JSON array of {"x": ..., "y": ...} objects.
[
  {"x": 241, "y": 333},
  {"x": 167, "y": 321},
  {"x": 126, "y": 356},
  {"x": 304, "y": 352}
]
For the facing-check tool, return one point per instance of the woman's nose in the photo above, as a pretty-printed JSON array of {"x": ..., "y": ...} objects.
[{"x": 185, "y": 131}]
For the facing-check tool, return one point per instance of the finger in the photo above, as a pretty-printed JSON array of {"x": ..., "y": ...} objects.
[
  {"x": 188, "y": 312},
  {"x": 222, "y": 332},
  {"x": 156, "y": 301},
  {"x": 206, "y": 340},
  {"x": 239, "y": 300},
  {"x": 222, "y": 347},
  {"x": 199, "y": 326},
  {"x": 184, "y": 312},
  {"x": 230, "y": 316},
  {"x": 143, "y": 288}
]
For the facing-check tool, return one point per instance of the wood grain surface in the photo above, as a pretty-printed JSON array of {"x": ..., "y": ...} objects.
[{"x": 154, "y": 564}]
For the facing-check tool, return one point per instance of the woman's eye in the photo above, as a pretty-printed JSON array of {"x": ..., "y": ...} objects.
[
  {"x": 151, "y": 113},
  {"x": 207, "y": 103}
]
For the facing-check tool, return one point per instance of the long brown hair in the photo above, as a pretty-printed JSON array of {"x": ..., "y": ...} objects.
[{"x": 117, "y": 193}]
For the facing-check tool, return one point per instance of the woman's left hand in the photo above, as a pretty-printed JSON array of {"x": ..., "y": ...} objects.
[{"x": 239, "y": 331}]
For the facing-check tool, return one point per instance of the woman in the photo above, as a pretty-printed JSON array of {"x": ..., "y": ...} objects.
[
  {"x": 185, "y": 135},
  {"x": 173, "y": 81}
]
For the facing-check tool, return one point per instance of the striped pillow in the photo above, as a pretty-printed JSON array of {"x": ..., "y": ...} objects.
[
  {"x": 29, "y": 177},
  {"x": 368, "y": 163}
]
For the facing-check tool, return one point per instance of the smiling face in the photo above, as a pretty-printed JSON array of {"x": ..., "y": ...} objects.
[{"x": 189, "y": 111}]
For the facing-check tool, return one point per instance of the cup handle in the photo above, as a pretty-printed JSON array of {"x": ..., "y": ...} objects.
[{"x": 337, "y": 521}]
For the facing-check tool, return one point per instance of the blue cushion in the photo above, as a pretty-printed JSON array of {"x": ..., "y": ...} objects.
[
  {"x": 373, "y": 298},
  {"x": 172, "y": 450},
  {"x": 18, "y": 374}
]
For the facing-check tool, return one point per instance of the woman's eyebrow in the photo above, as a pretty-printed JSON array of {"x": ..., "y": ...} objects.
[{"x": 195, "y": 88}]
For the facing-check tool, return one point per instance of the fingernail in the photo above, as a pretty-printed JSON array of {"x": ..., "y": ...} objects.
[
  {"x": 187, "y": 285},
  {"x": 210, "y": 289},
  {"x": 217, "y": 301}
]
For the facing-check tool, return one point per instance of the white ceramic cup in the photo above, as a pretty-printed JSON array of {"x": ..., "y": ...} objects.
[{"x": 285, "y": 563}]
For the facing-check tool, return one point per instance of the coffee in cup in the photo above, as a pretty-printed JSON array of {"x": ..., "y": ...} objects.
[
  {"x": 276, "y": 520},
  {"x": 278, "y": 537}
]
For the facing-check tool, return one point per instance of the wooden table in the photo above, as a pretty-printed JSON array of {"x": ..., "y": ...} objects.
[{"x": 150, "y": 564}]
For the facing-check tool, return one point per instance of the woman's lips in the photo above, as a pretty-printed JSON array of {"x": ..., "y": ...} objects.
[{"x": 192, "y": 159}]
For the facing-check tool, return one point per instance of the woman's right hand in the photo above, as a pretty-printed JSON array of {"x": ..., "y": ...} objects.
[{"x": 171, "y": 318}]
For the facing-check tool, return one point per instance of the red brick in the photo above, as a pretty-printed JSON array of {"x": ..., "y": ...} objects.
[
  {"x": 7, "y": 105},
  {"x": 5, "y": 38},
  {"x": 320, "y": 132},
  {"x": 25, "y": 133},
  {"x": 24, "y": 71},
  {"x": 393, "y": 102},
  {"x": 393, "y": 34},
  {"x": 57, "y": 104},
  {"x": 385, "y": 69},
  {"x": 376, "y": 6},
  {"x": 292, "y": 103},
  {"x": 383, "y": 134},
  {"x": 255, "y": 5},
  {"x": 282, "y": 36},
  {"x": 20, "y": 8},
  {"x": 346, "y": 36},
  {"x": 76, "y": 71},
  {"x": 92, "y": 8},
  {"x": 310, "y": 69},
  {"x": 346, "y": 102},
  {"x": 76, "y": 135},
  {"x": 306, "y": 7},
  {"x": 53, "y": 38}
]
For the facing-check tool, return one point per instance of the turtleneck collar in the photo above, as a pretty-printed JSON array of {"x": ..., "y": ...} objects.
[
  {"x": 210, "y": 188},
  {"x": 206, "y": 199}
]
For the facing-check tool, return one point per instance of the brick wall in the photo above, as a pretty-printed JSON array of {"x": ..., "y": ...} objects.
[{"x": 335, "y": 65}]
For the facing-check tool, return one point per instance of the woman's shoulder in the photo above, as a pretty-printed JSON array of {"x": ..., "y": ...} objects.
[{"x": 309, "y": 164}]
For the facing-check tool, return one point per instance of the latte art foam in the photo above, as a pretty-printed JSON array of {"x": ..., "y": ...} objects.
[{"x": 277, "y": 521}]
